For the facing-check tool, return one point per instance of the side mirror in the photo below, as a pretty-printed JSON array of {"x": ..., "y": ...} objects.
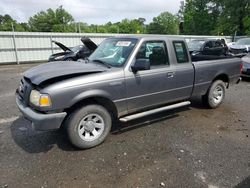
[{"x": 140, "y": 64}]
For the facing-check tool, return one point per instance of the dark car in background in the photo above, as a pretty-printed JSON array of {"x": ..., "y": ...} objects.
[
  {"x": 207, "y": 49},
  {"x": 73, "y": 54},
  {"x": 241, "y": 47}
]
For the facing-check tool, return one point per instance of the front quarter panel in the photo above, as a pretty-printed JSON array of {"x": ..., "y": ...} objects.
[{"x": 109, "y": 85}]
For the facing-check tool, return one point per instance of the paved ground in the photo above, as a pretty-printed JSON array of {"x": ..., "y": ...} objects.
[{"x": 190, "y": 147}]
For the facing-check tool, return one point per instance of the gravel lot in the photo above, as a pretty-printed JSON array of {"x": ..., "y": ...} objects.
[{"x": 189, "y": 147}]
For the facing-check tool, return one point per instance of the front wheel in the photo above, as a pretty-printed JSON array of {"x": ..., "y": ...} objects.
[
  {"x": 88, "y": 126},
  {"x": 215, "y": 94}
]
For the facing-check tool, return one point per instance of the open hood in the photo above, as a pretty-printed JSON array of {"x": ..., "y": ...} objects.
[
  {"x": 61, "y": 69},
  {"x": 64, "y": 48},
  {"x": 89, "y": 43}
]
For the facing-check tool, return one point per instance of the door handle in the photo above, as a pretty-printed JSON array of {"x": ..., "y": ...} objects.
[{"x": 170, "y": 74}]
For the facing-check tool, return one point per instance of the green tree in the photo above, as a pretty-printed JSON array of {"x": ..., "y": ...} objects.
[
  {"x": 200, "y": 17},
  {"x": 246, "y": 23},
  {"x": 130, "y": 26},
  {"x": 234, "y": 17},
  {"x": 217, "y": 17},
  {"x": 111, "y": 28},
  {"x": 6, "y": 22},
  {"x": 52, "y": 21},
  {"x": 165, "y": 23}
]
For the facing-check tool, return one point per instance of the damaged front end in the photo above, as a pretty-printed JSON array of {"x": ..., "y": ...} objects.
[{"x": 39, "y": 105}]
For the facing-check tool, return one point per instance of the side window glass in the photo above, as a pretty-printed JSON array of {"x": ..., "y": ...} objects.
[
  {"x": 209, "y": 44},
  {"x": 155, "y": 52},
  {"x": 181, "y": 52},
  {"x": 218, "y": 44}
]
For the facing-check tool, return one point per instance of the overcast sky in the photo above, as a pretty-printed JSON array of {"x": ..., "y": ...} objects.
[{"x": 91, "y": 11}]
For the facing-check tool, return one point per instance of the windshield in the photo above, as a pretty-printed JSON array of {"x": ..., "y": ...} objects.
[
  {"x": 195, "y": 45},
  {"x": 243, "y": 41},
  {"x": 76, "y": 48},
  {"x": 114, "y": 51}
]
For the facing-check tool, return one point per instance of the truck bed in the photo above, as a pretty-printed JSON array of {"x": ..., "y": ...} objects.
[{"x": 205, "y": 72}]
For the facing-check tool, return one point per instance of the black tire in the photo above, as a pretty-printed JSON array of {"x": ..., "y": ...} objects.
[
  {"x": 76, "y": 122},
  {"x": 210, "y": 99}
]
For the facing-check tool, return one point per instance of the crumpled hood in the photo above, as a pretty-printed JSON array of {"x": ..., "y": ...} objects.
[
  {"x": 60, "y": 69},
  {"x": 63, "y": 47}
]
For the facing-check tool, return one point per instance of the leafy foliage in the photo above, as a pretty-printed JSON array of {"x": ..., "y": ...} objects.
[
  {"x": 6, "y": 23},
  {"x": 195, "y": 17},
  {"x": 51, "y": 21},
  {"x": 199, "y": 17},
  {"x": 216, "y": 17},
  {"x": 165, "y": 23},
  {"x": 234, "y": 17}
]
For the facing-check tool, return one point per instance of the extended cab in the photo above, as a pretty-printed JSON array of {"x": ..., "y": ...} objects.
[{"x": 125, "y": 78}]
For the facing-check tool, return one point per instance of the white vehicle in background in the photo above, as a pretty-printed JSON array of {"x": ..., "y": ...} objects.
[{"x": 242, "y": 46}]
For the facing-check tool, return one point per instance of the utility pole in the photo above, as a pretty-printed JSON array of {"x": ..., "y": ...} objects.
[
  {"x": 14, "y": 43},
  {"x": 76, "y": 27},
  {"x": 79, "y": 27},
  {"x": 63, "y": 23}
]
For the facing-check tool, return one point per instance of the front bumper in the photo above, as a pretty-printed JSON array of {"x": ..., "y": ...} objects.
[{"x": 41, "y": 121}]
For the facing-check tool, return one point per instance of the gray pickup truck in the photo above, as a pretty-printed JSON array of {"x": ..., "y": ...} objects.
[{"x": 124, "y": 79}]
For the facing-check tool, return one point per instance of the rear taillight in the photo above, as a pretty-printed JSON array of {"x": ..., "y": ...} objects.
[{"x": 241, "y": 68}]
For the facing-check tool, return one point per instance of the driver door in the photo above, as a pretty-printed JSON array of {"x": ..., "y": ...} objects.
[{"x": 149, "y": 88}]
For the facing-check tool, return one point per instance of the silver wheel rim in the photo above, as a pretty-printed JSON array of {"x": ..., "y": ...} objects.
[
  {"x": 91, "y": 127},
  {"x": 218, "y": 94}
]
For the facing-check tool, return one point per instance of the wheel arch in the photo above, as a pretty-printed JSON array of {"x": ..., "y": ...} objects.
[
  {"x": 104, "y": 101},
  {"x": 224, "y": 77}
]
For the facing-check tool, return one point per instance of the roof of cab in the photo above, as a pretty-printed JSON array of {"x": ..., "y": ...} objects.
[{"x": 163, "y": 37}]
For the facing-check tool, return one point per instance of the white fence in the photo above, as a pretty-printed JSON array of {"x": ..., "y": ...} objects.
[{"x": 20, "y": 47}]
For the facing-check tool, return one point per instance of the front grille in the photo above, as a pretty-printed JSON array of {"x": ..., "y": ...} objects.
[
  {"x": 21, "y": 89},
  {"x": 237, "y": 51},
  {"x": 24, "y": 90}
]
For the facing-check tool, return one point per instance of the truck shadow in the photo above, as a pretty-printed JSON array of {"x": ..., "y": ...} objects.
[
  {"x": 33, "y": 141},
  {"x": 244, "y": 184},
  {"x": 121, "y": 127},
  {"x": 196, "y": 102},
  {"x": 245, "y": 79}
]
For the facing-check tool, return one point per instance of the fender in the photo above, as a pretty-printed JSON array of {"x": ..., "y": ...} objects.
[{"x": 90, "y": 94}]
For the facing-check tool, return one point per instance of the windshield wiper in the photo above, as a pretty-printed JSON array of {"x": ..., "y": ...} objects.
[{"x": 102, "y": 62}]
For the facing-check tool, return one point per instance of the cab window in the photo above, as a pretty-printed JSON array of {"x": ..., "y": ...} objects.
[
  {"x": 155, "y": 52},
  {"x": 181, "y": 52}
]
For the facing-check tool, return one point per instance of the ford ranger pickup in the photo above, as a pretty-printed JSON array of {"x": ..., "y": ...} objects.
[{"x": 125, "y": 78}]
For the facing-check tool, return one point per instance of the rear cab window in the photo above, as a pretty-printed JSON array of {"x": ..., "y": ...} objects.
[{"x": 181, "y": 52}]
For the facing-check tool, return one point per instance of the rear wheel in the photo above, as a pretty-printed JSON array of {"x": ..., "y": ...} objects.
[
  {"x": 215, "y": 94},
  {"x": 88, "y": 126}
]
